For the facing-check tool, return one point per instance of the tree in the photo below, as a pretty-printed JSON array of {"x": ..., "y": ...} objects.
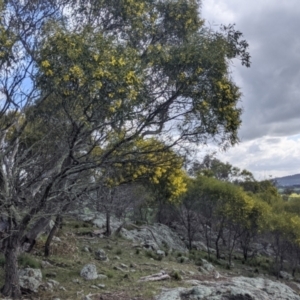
[
  {"x": 101, "y": 74},
  {"x": 153, "y": 165},
  {"x": 210, "y": 166}
]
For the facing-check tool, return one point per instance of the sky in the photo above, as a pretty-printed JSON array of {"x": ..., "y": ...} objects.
[{"x": 270, "y": 132}]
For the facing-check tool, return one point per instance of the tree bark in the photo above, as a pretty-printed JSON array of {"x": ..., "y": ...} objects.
[
  {"x": 11, "y": 286},
  {"x": 54, "y": 229},
  {"x": 108, "y": 228}
]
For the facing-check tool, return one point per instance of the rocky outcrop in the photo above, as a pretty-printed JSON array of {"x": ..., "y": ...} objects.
[
  {"x": 236, "y": 288},
  {"x": 155, "y": 237}
]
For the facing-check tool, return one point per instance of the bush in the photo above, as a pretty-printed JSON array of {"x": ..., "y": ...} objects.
[{"x": 175, "y": 275}]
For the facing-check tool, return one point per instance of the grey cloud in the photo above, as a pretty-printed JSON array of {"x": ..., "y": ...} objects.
[{"x": 270, "y": 88}]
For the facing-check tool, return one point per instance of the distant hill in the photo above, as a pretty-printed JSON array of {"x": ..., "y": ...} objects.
[{"x": 288, "y": 181}]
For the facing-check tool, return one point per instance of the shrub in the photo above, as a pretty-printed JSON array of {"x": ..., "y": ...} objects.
[{"x": 175, "y": 275}]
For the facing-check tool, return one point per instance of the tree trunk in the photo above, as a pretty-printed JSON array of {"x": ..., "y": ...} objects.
[
  {"x": 108, "y": 229},
  {"x": 54, "y": 229},
  {"x": 37, "y": 229},
  {"x": 11, "y": 286}
]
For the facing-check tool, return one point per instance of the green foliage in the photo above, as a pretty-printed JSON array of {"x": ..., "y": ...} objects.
[
  {"x": 175, "y": 275},
  {"x": 86, "y": 84},
  {"x": 109, "y": 274}
]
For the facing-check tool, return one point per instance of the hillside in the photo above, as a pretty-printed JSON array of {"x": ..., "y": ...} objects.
[
  {"x": 288, "y": 181},
  {"x": 133, "y": 270}
]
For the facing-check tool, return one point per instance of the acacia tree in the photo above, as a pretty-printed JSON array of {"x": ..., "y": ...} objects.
[
  {"x": 101, "y": 74},
  {"x": 148, "y": 162}
]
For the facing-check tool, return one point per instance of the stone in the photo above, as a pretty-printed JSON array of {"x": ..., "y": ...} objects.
[
  {"x": 30, "y": 279},
  {"x": 155, "y": 237},
  {"x": 46, "y": 264},
  {"x": 89, "y": 272},
  {"x": 207, "y": 266},
  {"x": 161, "y": 253},
  {"x": 56, "y": 239},
  {"x": 235, "y": 288},
  {"x": 101, "y": 286},
  {"x": 285, "y": 275},
  {"x": 94, "y": 287},
  {"x": 86, "y": 249},
  {"x": 76, "y": 281},
  {"x": 101, "y": 255},
  {"x": 53, "y": 282}
]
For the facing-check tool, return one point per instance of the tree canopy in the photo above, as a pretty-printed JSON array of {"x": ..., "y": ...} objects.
[{"x": 77, "y": 76}]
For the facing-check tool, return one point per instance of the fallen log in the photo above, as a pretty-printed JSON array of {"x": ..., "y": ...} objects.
[{"x": 155, "y": 277}]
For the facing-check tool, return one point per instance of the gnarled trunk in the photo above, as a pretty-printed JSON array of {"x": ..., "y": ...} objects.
[{"x": 11, "y": 286}]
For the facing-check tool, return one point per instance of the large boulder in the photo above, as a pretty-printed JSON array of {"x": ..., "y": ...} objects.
[
  {"x": 236, "y": 288},
  {"x": 155, "y": 237},
  {"x": 30, "y": 279},
  {"x": 89, "y": 272}
]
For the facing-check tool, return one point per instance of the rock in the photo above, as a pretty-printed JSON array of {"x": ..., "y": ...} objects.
[
  {"x": 100, "y": 222},
  {"x": 236, "y": 288},
  {"x": 89, "y": 272},
  {"x": 56, "y": 239},
  {"x": 76, "y": 281},
  {"x": 46, "y": 264},
  {"x": 193, "y": 282},
  {"x": 207, "y": 266},
  {"x": 53, "y": 282},
  {"x": 86, "y": 249},
  {"x": 123, "y": 266},
  {"x": 119, "y": 269},
  {"x": 150, "y": 245},
  {"x": 155, "y": 237},
  {"x": 161, "y": 253},
  {"x": 30, "y": 279},
  {"x": 47, "y": 286},
  {"x": 101, "y": 255},
  {"x": 285, "y": 275},
  {"x": 94, "y": 287},
  {"x": 101, "y": 286},
  {"x": 102, "y": 276}
]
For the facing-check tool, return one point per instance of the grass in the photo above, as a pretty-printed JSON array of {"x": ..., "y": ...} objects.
[{"x": 67, "y": 260}]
